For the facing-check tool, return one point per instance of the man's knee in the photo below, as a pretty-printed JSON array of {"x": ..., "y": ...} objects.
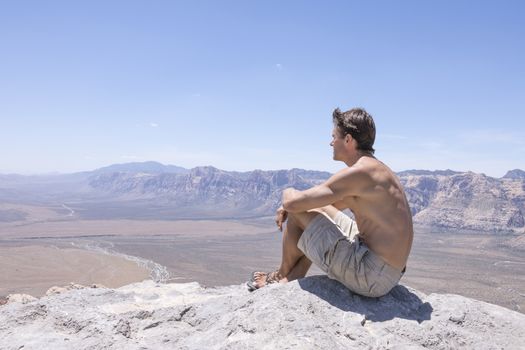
[{"x": 303, "y": 219}]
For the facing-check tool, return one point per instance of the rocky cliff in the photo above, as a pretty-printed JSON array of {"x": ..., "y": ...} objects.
[
  {"x": 467, "y": 201},
  {"x": 312, "y": 313},
  {"x": 443, "y": 199},
  {"x": 208, "y": 190}
]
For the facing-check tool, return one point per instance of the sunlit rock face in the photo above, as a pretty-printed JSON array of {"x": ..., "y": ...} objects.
[{"x": 466, "y": 201}]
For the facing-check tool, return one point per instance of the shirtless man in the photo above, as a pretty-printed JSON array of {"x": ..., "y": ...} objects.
[{"x": 367, "y": 255}]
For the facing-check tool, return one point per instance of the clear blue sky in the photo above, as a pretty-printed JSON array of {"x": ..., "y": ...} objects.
[{"x": 245, "y": 85}]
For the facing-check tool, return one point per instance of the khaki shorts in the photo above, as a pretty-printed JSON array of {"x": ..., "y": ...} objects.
[{"x": 335, "y": 247}]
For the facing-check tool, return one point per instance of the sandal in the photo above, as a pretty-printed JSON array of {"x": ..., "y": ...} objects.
[{"x": 271, "y": 277}]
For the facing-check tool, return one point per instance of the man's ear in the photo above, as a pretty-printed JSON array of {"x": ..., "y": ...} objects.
[{"x": 348, "y": 138}]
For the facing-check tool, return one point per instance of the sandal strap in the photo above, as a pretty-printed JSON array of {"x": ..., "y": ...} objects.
[{"x": 272, "y": 277}]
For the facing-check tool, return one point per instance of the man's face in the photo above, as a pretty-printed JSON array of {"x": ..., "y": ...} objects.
[{"x": 338, "y": 143}]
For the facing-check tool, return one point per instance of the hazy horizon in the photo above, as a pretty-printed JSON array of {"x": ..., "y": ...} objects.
[{"x": 211, "y": 165}]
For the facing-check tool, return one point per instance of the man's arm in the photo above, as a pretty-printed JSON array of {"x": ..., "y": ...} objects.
[
  {"x": 297, "y": 201},
  {"x": 332, "y": 192}
]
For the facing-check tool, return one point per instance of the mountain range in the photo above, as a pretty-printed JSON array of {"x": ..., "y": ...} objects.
[{"x": 443, "y": 199}]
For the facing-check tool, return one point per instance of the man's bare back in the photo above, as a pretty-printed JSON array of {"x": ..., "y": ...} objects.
[{"x": 381, "y": 210}]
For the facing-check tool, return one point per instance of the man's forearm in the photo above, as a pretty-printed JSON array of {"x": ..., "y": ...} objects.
[{"x": 295, "y": 201}]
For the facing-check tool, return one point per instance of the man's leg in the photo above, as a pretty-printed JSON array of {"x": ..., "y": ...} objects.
[
  {"x": 293, "y": 259},
  {"x": 294, "y": 263},
  {"x": 299, "y": 270}
]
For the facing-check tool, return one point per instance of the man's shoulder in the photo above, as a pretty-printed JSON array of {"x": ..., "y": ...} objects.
[
  {"x": 369, "y": 161},
  {"x": 364, "y": 168},
  {"x": 356, "y": 175},
  {"x": 353, "y": 180},
  {"x": 371, "y": 171},
  {"x": 367, "y": 166},
  {"x": 371, "y": 165}
]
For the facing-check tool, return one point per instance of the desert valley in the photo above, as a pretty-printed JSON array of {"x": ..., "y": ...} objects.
[{"x": 131, "y": 222}]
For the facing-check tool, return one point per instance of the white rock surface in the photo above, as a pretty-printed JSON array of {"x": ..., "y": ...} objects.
[
  {"x": 20, "y": 298},
  {"x": 58, "y": 290},
  {"x": 313, "y": 313}
]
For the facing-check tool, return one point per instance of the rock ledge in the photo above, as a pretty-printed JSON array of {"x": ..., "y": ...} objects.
[{"x": 312, "y": 313}]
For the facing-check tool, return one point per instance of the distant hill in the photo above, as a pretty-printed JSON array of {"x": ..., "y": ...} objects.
[
  {"x": 515, "y": 174},
  {"x": 447, "y": 172},
  {"x": 444, "y": 199},
  {"x": 142, "y": 167}
]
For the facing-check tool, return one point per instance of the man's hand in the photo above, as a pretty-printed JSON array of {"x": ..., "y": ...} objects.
[{"x": 280, "y": 217}]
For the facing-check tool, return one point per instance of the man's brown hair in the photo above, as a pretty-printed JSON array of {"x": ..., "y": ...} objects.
[{"x": 359, "y": 124}]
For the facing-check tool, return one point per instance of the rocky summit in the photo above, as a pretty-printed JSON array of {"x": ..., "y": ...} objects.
[{"x": 312, "y": 313}]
